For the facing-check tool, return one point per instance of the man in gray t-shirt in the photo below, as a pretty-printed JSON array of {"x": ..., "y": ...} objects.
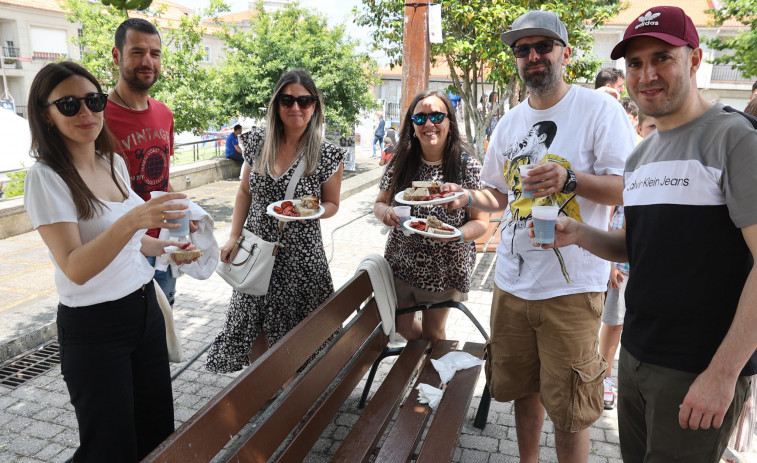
[{"x": 688, "y": 346}]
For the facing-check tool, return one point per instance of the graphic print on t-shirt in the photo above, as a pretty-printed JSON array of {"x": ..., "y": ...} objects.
[
  {"x": 532, "y": 149},
  {"x": 151, "y": 152}
]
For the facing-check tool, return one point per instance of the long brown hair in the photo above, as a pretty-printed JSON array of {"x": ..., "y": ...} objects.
[
  {"x": 48, "y": 146},
  {"x": 406, "y": 160},
  {"x": 310, "y": 142}
]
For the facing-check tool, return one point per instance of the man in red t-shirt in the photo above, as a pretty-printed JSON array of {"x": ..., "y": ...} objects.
[{"x": 142, "y": 126}]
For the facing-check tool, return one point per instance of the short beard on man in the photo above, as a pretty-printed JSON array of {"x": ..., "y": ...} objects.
[
  {"x": 543, "y": 82},
  {"x": 134, "y": 83}
]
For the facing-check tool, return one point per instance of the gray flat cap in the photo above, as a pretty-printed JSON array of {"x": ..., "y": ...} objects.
[{"x": 537, "y": 22}]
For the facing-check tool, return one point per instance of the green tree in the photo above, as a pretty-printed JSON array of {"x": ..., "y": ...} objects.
[
  {"x": 744, "y": 45},
  {"x": 475, "y": 54},
  {"x": 296, "y": 37},
  {"x": 186, "y": 86}
]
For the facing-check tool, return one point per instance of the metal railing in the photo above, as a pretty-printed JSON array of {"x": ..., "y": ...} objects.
[
  {"x": 11, "y": 52},
  {"x": 12, "y": 184},
  {"x": 726, "y": 73}
]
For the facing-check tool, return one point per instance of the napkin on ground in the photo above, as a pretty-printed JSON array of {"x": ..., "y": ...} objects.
[
  {"x": 430, "y": 395},
  {"x": 453, "y": 361}
]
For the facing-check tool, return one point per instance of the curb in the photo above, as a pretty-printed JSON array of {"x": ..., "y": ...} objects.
[{"x": 30, "y": 340}]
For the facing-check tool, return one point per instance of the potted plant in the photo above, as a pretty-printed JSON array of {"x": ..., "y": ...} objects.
[{"x": 10, "y": 63}]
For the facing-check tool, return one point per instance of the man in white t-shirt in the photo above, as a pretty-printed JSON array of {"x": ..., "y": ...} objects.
[{"x": 547, "y": 305}]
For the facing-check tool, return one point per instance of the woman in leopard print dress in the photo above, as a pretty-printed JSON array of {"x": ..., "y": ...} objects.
[
  {"x": 429, "y": 270},
  {"x": 301, "y": 280}
]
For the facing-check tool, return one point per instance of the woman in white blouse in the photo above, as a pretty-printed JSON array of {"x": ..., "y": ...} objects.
[{"x": 110, "y": 328}]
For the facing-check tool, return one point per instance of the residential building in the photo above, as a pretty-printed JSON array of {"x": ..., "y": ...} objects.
[{"x": 35, "y": 32}]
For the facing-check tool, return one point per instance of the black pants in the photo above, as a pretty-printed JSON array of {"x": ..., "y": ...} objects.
[{"x": 115, "y": 363}]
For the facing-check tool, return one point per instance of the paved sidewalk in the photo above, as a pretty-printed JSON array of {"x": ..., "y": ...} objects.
[{"x": 37, "y": 421}]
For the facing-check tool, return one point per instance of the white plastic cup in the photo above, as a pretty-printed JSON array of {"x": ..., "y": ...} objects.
[
  {"x": 183, "y": 230},
  {"x": 403, "y": 214},
  {"x": 524, "y": 169},
  {"x": 544, "y": 218}
]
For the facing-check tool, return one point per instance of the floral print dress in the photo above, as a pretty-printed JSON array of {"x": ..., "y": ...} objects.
[{"x": 301, "y": 279}]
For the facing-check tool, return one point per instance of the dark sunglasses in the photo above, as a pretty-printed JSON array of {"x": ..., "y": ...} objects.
[
  {"x": 420, "y": 118},
  {"x": 304, "y": 101},
  {"x": 69, "y": 106},
  {"x": 542, "y": 48}
]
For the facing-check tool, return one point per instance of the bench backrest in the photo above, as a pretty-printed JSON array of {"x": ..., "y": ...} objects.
[{"x": 357, "y": 346}]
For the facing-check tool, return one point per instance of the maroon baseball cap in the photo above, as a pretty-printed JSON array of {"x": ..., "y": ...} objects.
[{"x": 667, "y": 23}]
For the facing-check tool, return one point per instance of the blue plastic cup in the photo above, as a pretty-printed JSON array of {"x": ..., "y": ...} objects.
[{"x": 545, "y": 219}]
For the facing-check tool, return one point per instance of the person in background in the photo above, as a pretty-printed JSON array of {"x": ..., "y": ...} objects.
[
  {"x": 301, "y": 279},
  {"x": 751, "y": 108},
  {"x": 378, "y": 135},
  {"x": 430, "y": 270},
  {"x": 687, "y": 352},
  {"x": 754, "y": 91},
  {"x": 389, "y": 148},
  {"x": 233, "y": 150},
  {"x": 547, "y": 306},
  {"x": 111, "y": 331},
  {"x": 631, "y": 110},
  {"x": 142, "y": 126},
  {"x": 610, "y": 80}
]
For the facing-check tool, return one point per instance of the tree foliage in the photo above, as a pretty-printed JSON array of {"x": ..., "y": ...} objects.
[
  {"x": 186, "y": 86},
  {"x": 475, "y": 54},
  {"x": 744, "y": 45},
  {"x": 296, "y": 37}
]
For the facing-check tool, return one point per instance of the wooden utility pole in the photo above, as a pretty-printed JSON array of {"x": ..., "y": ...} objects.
[{"x": 416, "y": 62}]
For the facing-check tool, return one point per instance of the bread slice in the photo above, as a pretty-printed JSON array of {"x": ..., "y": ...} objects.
[
  {"x": 304, "y": 211},
  {"x": 186, "y": 255},
  {"x": 309, "y": 201},
  {"x": 433, "y": 223},
  {"x": 439, "y": 231},
  {"x": 432, "y": 187},
  {"x": 415, "y": 194}
]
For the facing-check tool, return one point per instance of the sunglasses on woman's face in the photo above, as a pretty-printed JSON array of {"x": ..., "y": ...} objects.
[
  {"x": 69, "y": 106},
  {"x": 304, "y": 101},
  {"x": 542, "y": 48},
  {"x": 420, "y": 118}
]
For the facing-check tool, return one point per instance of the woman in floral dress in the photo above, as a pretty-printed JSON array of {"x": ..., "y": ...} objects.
[
  {"x": 301, "y": 280},
  {"x": 427, "y": 270}
]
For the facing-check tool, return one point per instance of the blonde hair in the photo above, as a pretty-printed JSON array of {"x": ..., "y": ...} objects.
[{"x": 310, "y": 142}]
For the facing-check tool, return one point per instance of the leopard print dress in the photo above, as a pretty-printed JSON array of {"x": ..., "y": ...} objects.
[{"x": 301, "y": 279}]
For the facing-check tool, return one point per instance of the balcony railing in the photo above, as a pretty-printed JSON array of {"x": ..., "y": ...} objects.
[
  {"x": 11, "y": 52},
  {"x": 726, "y": 73},
  {"x": 46, "y": 56}
]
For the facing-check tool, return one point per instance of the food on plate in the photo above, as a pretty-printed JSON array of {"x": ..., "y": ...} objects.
[
  {"x": 433, "y": 187},
  {"x": 432, "y": 225},
  {"x": 186, "y": 255},
  {"x": 309, "y": 202},
  {"x": 415, "y": 194},
  {"x": 307, "y": 206}
]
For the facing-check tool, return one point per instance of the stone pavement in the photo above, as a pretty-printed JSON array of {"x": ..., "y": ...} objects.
[{"x": 37, "y": 421}]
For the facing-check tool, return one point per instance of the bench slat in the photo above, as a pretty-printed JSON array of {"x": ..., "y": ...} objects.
[
  {"x": 441, "y": 439},
  {"x": 359, "y": 444},
  {"x": 207, "y": 431},
  {"x": 273, "y": 429},
  {"x": 407, "y": 429}
]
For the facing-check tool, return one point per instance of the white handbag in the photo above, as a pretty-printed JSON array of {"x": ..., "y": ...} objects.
[
  {"x": 250, "y": 264},
  {"x": 251, "y": 259}
]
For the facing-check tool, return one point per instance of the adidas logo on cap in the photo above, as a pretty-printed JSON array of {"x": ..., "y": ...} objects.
[{"x": 648, "y": 20}]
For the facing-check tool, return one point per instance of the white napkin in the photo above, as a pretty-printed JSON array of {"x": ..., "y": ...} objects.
[
  {"x": 203, "y": 239},
  {"x": 430, "y": 395},
  {"x": 453, "y": 361}
]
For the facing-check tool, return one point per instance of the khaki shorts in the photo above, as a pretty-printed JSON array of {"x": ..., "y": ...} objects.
[
  {"x": 548, "y": 347},
  {"x": 410, "y": 296}
]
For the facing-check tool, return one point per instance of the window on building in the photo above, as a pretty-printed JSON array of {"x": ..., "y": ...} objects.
[
  {"x": 206, "y": 58},
  {"x": 48, "y": 44},
  {"x": 80, "y": 33}
]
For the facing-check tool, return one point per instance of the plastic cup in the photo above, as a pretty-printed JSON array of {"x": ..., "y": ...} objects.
[
  {"x": 544, "y": 218},
  {"x": 403, "y": 214},
  {"x": 183, "y": 230},
  {"x": 524, "y": 168}
]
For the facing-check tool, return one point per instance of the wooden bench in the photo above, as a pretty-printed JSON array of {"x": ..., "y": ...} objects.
[
  {"x": 488, "y": 241},
  {"x": 285, "y": 427}
]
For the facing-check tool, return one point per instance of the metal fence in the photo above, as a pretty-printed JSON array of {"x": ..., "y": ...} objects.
[{"x": 12, "y": 181}]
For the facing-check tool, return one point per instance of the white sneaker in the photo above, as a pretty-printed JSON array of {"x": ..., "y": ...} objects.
[{"x": 609, "y": 396}]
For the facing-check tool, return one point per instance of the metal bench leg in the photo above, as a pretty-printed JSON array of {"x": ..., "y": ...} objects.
[
  {"x": 387, "y": 352},
  {"x": 483, "y": 409}
]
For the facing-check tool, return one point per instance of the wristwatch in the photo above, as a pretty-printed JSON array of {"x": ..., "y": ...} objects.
[{"x": 570, "y": 183}]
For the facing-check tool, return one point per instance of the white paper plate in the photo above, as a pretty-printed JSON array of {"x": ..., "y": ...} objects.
[
  {"x": 407, "y": 226},
  {"x": 433, "y": 202},
  {"x": 286, "y": 218}
]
